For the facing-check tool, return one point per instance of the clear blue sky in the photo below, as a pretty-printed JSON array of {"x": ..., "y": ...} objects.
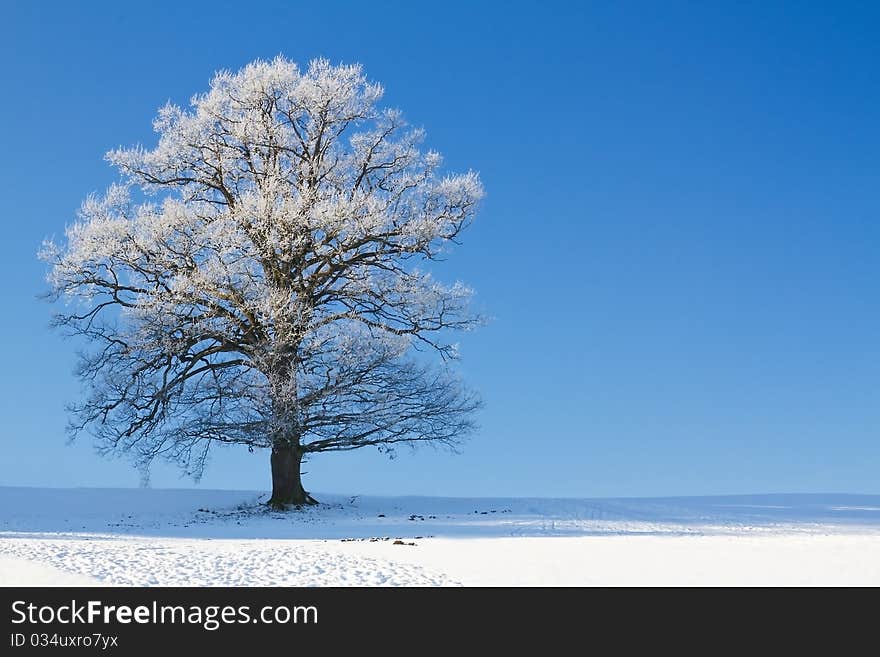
[{"x": 680, "y": 246}]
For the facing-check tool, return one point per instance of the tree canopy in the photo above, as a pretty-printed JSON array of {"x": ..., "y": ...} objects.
[{"x": 254, "y": 278}]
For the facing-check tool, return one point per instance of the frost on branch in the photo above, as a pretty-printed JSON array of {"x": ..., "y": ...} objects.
[{"x": 255, "y": 277}]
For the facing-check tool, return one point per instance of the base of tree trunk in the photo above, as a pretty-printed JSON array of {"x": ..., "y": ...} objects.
[
  {"x": 298, "y": 499},
  {"x": 287, "y": 488}
]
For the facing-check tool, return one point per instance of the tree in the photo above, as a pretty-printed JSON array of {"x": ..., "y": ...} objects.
[{"x": 254, "y": 279}]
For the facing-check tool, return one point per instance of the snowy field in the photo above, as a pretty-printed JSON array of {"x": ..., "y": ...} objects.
[{"x": 216, "y": 538}]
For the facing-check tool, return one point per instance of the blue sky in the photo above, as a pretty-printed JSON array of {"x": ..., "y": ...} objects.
[{"x": 680, "y": 246}]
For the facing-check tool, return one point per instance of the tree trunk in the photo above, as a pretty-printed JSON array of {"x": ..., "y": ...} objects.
[{"x": 287, "y": 486}]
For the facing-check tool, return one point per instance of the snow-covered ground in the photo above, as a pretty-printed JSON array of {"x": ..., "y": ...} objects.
[{"x": 195, "y": 537}]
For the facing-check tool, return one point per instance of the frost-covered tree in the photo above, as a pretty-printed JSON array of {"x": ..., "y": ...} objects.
[{"x": 253, "y": 279}]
